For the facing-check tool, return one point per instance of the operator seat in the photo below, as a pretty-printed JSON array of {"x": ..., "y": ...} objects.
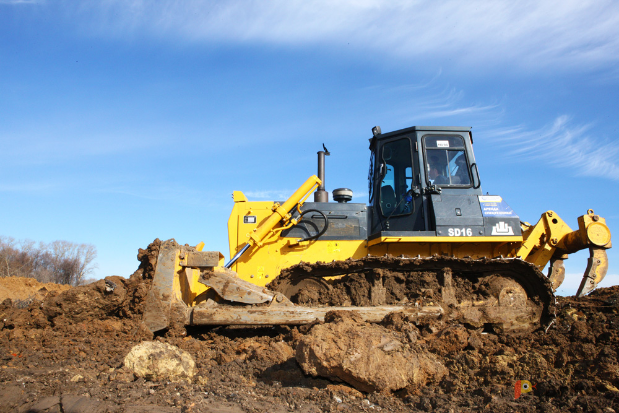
[{"x": 387, "y": 199}]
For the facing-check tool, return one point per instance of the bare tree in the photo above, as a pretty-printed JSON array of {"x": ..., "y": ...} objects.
[
  {"x": 61, "y": 262},
  {"x": 72, "y": 262}
]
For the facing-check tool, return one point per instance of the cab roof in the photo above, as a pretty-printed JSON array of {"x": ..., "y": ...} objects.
[{"x": 426, "y": 129}]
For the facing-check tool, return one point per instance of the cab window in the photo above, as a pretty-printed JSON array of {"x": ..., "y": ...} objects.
[
  {"x": 446, "y": 162},
  {"x": 396, "y": 177}
]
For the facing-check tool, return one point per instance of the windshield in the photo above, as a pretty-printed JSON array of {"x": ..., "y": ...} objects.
[{"x": 446, "y": 162}]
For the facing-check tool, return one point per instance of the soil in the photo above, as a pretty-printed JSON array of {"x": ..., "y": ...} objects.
[
  {"x": 64, "y": 352},
  {"x": 20, "y": 289}
]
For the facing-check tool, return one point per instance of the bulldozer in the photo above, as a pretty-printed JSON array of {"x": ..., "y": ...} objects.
[{"x": 428, "y": 243}]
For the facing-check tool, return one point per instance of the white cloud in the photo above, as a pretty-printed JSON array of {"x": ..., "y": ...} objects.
[
  {"x": 29, "y": 187},
  {"x": 525, "y": 33},
  {"x": 47, "y": 147},
  {"x": 564, "y": 145},
  {"x": 430, "y": 101},
  {"x": 282, "y": 195},
  {"x": 21, "y": 1},
  {"x": 268, "y": 195}
]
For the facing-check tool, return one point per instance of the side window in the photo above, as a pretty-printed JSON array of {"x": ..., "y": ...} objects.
[
  {"x": 409, "y": 177},
  {"x": 395, "y": 178},
  {"x": 446, "y": 162}
]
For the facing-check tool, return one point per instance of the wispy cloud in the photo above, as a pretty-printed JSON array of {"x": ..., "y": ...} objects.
[
  {"x": 456, "y": 111},
  {"x": 51, "y": 147},
  {"x": 564, "y": 145},
  {"x": 29, "y": 187},
  {"x": 282, "y": 195},
  {"x": 476, "y": 32},
  {"x": 21, "y": 1},
  {"x": 161, "y": 191},
  {"x": 269, "y": 195},
  {"x": 433, "y": 101}
]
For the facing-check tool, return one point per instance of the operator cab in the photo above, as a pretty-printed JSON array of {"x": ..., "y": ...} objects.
[{"x": 422, "y": 179}]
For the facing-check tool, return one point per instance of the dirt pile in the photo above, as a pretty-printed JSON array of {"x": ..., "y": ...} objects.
[
  {"x": 22, "y": 290},
  {"x": 68, "y": 350}
]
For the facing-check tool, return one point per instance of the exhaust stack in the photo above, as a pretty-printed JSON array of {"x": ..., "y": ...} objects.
[{"x": 321, "y": 195}]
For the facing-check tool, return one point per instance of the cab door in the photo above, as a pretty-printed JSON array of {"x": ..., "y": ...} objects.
[
  {"x": 450, "y": 189},
  {"x": 397, "y": 204}
]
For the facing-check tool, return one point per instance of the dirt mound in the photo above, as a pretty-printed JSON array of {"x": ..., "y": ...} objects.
[
  {"x": 67, "y": 350},
  {"x": 24, "y": 289},
  {"x": 113, "y": 298}
]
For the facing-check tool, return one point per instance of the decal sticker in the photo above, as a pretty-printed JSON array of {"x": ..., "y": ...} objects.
[
  {"x": 494, "y": 206},
  {"x": 442, "y": 144},
  {"x": 501, "y": 228}
]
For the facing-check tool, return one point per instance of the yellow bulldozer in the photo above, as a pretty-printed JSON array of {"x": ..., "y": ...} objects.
[{"x": 429, "y": 243}]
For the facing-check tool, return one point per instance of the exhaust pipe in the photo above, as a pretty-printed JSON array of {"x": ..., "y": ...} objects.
[{"x": 321, "y": 195}]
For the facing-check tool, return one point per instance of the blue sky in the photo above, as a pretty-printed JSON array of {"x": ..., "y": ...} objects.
[{"x": 124, "y": 121}]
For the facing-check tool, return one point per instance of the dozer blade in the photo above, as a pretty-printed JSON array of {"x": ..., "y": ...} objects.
[
  {"x": 597, "y": 266},
  {"x": 240, "y": 302},
  {"x": 158, "y": 303}
]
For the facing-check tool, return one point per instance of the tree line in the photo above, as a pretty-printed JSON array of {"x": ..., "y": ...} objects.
[{"x": 60, "y": 262}]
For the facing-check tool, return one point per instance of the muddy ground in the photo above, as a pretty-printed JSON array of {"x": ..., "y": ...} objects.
[{"x": 63, "y": 351}]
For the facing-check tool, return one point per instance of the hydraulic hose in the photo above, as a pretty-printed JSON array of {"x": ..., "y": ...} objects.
[{"x": 322, "y": 231}]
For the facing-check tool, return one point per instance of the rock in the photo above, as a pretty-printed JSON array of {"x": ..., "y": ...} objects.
[
  {"x": 367, "y": 356},
  {"x": 160, "y": 361},
  {"x": 77, "y": 378}
]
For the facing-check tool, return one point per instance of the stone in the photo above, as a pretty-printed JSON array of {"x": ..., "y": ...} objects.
[
  {"x": 153, "y": 360},
  {"x": 367, "y": 356}
]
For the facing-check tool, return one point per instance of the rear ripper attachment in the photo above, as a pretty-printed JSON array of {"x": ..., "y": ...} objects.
[{"x": 551, "y": 239}]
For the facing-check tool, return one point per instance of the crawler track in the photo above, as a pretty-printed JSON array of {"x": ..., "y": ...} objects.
[{"x": 511, "y": 293}]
